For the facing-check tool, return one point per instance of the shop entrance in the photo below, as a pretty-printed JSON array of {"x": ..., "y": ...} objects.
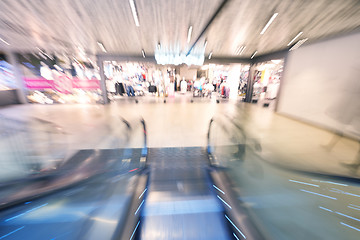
[
  {"x": 127, "y": 79},
  {"x": 266, "y": 83},
  {"x": 137, "y": 79},
  {"x": 229, "y": 81},
  {"x": 59, "y": 79}
]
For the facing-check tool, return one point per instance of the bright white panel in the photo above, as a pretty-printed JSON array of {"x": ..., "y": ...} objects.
[{"x": 321, "y": 84}]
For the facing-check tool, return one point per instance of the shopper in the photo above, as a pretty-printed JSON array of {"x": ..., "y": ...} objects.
[
  {"x": 183, "y": 86},
  {"x": 129, "y": 88}
]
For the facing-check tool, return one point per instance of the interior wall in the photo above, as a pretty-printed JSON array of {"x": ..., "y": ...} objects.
[{"x": 321, "y": 84}]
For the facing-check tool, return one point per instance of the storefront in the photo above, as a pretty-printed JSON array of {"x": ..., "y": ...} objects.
[
  {"x": 51, "y": 79},
  {"x": 228, "y": 81},
  {"x": 266, "y": 82},
  {"x": 130, "y": 78}
]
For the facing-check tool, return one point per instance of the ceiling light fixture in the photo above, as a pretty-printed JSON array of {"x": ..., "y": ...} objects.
[
  {"x": 298, "y": 44},
  {"x": 4, "y": 41},
  {"x": 276, "y": 61},
  {"x": 101, "y": 46},
  {"x": 49, "y": 56},
  {"x": 269, "y": 22},
  {"x": 134, "y": 12},
  {"x": 76, "y": 60},
  {"x": 44, "y": 54},
  {"x": 58, "y": 68},
  {"x": 295, "y": 38},
  {"x": 177, "y": 59},
  {"x": 143, "y": 53},
  {"x": 189, "y": 34},
  {"x": 210, "y": 55},
  {"x": 40, "y": 50},
  {"x": 253, "y": 54},
  {"x": 242, "y": 50},
  {"x": 90, "y": 61},
  {"x": 81, "y": 49}
]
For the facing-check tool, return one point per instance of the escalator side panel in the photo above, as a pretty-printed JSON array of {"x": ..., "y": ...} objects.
[{"x": 236, "y": 216}]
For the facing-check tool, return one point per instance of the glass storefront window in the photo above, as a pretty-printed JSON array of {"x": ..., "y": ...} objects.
[
  {"x": 129, "y": 78},
  {"x": 52, "y": 79}
]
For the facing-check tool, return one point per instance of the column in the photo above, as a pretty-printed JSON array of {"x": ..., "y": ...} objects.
[
  {"x": 233, "y": 80},
  {"x": 250, "y": 83},
  {"x": 21, "y": 89},
  {"x": 100, "y": 63}
]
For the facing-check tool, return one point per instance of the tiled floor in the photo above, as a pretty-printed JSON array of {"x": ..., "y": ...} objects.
[{"x": 182, "y": 123}]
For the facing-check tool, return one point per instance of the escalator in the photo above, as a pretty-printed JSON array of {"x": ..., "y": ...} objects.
[
  {"x": 223, "y": 191},
  {"x": 90, "y": 209},
  {"x": 140, "y": 193},
  {"x": 85, "y": 197},
  {"x": 180, "y": 202},
  {"x": 185, "y": 197}
]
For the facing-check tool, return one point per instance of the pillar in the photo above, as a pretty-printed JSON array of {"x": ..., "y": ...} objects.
[
  {"x": 100, "y": 63},
  {"x": 250, "y": 83},
  {"x": 21, "y": 89}
]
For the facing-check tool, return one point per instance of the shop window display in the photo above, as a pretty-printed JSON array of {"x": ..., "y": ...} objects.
[
  {"x": 58, "y": 80},
  {"x": 128, "y": 79},
  {"x": 267, "y": 82},
  {"x": 228, "y": 81},
  {"x": 243, "y": 84},
  {"x": 136, "y": 79}
]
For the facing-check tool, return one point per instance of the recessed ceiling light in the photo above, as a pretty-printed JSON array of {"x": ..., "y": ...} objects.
[
  {"x": 143, "y": 53},
  {"x": 276, "y": 61},
  {"x": 4, "y": 41},
  {"x": 101, "y": 46},
  {"x": 44, "y": 54},
  {"x": 210, "y": 55},
  {"x": 49, "y": 57},
  {"x": 242, "y": 50},
  {"x": 295, "y": 38},
  {"x": 134, "y": 12},
  {"x": 298, "y": 44},
  {"x": 189, "y": 34},
  {"x": 39, "y": 50},
  {"x": 58, "y": 68},
  {"x": 269, "y": 22},
  {"x": 77, "y": 61},
  {"x": 253, "y": 54}
]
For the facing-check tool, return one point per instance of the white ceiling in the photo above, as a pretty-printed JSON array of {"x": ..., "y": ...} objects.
[{"x": 67, "y": 25}]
